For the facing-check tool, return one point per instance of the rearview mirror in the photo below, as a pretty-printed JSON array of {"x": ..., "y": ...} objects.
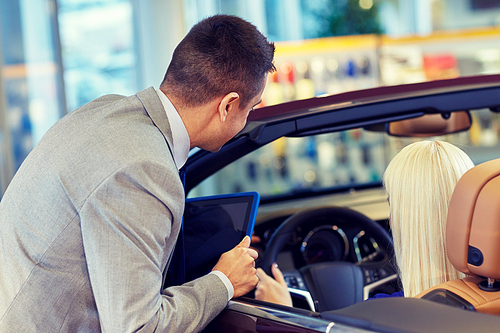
[{"x": 431, "y": 125}]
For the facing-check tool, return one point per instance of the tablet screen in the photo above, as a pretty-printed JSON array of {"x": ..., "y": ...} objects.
[{"x": 214, "y": 225}]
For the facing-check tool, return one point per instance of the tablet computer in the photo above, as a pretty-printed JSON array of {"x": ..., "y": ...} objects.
[{"x": 214, "y": 225}]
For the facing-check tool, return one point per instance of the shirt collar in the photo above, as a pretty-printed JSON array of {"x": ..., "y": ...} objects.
[{"x": 180, "y": 135}]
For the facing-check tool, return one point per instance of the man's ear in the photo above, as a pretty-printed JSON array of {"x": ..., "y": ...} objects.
[{"x": 229, "y": 102}]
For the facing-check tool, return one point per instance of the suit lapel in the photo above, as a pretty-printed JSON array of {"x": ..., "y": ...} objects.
[{"x": 154, "y": 108}]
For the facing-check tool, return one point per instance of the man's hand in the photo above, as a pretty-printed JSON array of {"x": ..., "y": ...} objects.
[
  {"x": 238, "y": 265},
  {"x": 271, "y": 290}
]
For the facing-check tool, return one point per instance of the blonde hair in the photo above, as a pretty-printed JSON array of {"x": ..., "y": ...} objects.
[{"x": 420, "y": 181}]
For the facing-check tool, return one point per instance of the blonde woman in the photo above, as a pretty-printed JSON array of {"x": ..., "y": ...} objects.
[{"x": 419, "y": 181}]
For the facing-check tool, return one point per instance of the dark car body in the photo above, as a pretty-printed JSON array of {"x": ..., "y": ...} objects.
[{"x": 370, "y": 109}]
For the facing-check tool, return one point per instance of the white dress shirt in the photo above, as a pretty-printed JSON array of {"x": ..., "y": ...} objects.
[{"x": 182, "y": 144}]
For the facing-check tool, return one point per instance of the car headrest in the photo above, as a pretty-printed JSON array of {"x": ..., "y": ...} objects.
[{"x": 473, "y": 225}]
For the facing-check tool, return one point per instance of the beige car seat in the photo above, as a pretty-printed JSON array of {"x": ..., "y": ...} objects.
[{"x": 473, "y": 242}]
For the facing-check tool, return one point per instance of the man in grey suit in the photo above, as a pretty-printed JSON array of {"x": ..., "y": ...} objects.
[{"x": 90, "y": 220}]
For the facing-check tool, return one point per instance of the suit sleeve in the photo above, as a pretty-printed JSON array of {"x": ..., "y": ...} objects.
[{"x": 127, "y": 233}]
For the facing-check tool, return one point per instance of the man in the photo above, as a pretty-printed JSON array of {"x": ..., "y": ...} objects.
[{"x": 90, "y": 220}]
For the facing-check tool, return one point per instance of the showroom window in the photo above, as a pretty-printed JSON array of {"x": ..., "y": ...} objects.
[
  {"x": 57, "y": 55},
  {"x": 97, "y": 43},
  {"x": 32, "y": 91}
]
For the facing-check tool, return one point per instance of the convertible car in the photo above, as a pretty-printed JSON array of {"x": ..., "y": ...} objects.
[{"x": 323, "y": 215}]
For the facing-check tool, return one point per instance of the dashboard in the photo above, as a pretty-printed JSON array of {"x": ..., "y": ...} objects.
[
  {"x": 322, "y": 240},
  {"x": 329, "y": 238},
  {"x": 326, "y": 238}
]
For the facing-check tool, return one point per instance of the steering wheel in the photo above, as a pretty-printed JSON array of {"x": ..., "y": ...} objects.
[{"x": 334, "y": 285}]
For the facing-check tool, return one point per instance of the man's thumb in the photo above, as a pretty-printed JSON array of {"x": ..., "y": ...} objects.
[{"x": 245, "y": 242}]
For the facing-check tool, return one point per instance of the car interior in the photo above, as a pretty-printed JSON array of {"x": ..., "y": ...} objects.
[
  {"x": 333, "y": 244},
  {"x": 328, "y": 228},
  {"x": 341, "y": 227},
  {"x": 474, "y": 226}
]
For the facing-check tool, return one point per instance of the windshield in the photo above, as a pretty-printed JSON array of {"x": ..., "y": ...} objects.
[{"x": 328, "y": 161}]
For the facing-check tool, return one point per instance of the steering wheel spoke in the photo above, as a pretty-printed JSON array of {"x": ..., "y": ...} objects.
[
  {"x": 294, "y": 280},
  {"x": 376, "y": 273},
  {"x": 298, "y": 289}
]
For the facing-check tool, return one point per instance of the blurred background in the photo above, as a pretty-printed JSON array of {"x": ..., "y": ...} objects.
[{"x": 57, "y": 55}]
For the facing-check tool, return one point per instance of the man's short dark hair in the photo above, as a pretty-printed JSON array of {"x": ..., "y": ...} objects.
[{"x": 219, "y": 55}]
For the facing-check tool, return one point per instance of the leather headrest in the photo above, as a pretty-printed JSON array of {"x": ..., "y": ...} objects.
[{"x": 473, "y": 226}]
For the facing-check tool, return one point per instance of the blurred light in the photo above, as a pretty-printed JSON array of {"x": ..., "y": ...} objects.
[
  {"x": 286, "y": 67},
  {"x": 332, "y": 65},
  {"x": 317, "y": 65},
  {"x": 279, "y": 163},
  {"x": 309, "y": 176},
  {"x": 301, "y": 67},
  {"x": 366, "y": 4}
]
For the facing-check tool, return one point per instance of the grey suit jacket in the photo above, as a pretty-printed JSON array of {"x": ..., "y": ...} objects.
[{"x": 88, "y": 224}]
